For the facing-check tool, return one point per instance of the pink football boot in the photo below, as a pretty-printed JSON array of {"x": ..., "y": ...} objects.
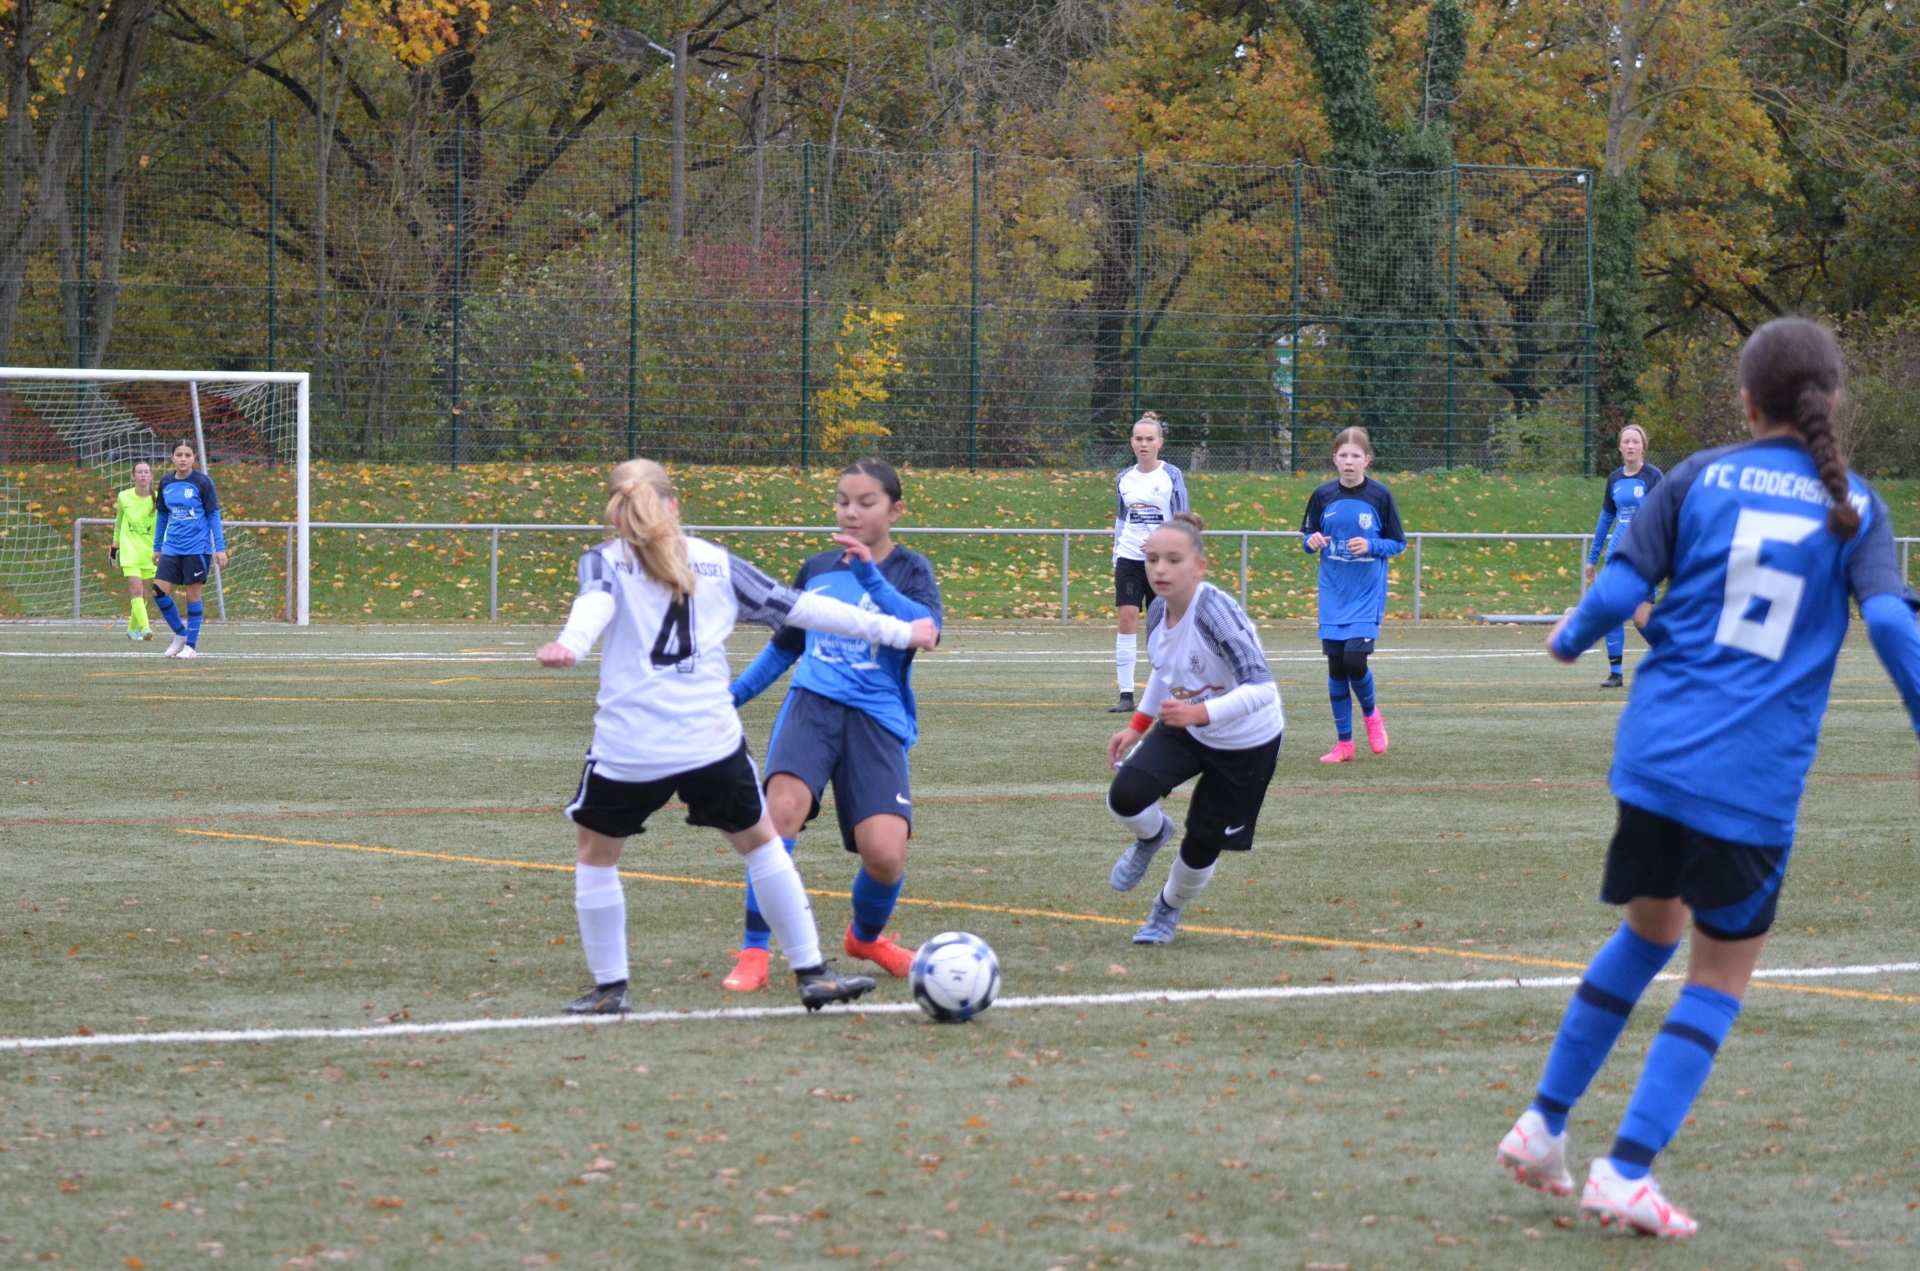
[
  {"x": 1376, "y": 733},
  {"x": 1342, "y": 752}
]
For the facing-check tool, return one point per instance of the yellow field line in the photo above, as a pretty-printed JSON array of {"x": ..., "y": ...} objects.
[{"x": 1277, "y": 937}]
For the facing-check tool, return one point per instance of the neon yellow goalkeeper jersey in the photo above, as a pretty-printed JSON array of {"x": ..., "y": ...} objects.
[{"x": 133, "y": 524}]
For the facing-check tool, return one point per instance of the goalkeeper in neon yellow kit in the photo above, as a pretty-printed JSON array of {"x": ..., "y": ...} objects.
[{"x": 134, "y": 513}]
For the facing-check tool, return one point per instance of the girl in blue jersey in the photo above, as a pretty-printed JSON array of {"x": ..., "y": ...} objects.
[
  {"x": 1761, "y": 544},
  {"x": 1353, "y": 525},
  {"x": 189, "y": 541},
  {"x": 849, "y": 718},
  {"x": 1627, "y": 488}
]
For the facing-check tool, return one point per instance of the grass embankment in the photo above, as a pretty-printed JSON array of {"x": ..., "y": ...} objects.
[{"x": 433, "y": 575}]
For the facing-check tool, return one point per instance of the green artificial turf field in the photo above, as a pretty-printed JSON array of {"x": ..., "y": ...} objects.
[{"x": 186, "y": 847}]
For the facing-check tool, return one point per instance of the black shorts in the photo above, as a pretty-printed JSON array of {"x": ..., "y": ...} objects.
[
  {"x": 1731, "y": 888},
  {"x": 1233, "y": 783},
  {"x": 724, "y": 794},
  {"x": 182, "y": 571},
  {"x": 818, "y": 740},
  {"x": 1340, "y": 648},
  {"x": 1130, "y": 585}
]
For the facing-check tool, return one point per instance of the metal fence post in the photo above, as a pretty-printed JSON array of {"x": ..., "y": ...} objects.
[
  {"x": 1066, "y": 541},
  {"x": 1453, "y": 299},
  {"x": 493, "y": 577},
  {"x": 633, "y": 307},
  {"x": 1139, "y": 267},
  {"x": 459, "y": 248},
  {"x": 76, "y": 569},
  {"x": 1416, "y": 577},
  {"x": 973, "y": 331},
  {"x": 1299, "y": 361},
  {"x": 806, "y": 291},
  {"x": 1586, "y": 353},
  {"x": 273, "y": 235},
  {"x": 290, "y": 578},
  {"x": 1905, "y": 547},
  {"x": 1586, "y": 547},
  {"x": 1243, "y": 571}
]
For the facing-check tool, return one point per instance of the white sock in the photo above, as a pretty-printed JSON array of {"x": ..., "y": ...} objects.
[
  {"x": 783, "y": 903},
  {"x": 600, "y": 902},
  {"x": 1126, "y": 654},
  {"x": 1145, "y": 823},
  {"x": 1184, "y": 882}
]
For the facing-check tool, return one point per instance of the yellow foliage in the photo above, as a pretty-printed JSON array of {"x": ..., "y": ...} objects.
[{"x": 864, "y": 357}]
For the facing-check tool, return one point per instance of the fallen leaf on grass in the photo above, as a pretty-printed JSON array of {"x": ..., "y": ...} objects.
[
  {"x": 1329, "y": 1266},
  {"x": 385, "y": 1202},
  {"x": 1232, "y": 1164},
  {"x": 843, "y": 1251},
  {"x": 1446, "y": 1240},
  {"x": 1116, "y": 969},
  {"x": 821, "y": 1092},
  {"x": 67, "y": 1187},
  {"x": 1017, "y": 1082},
  {"x": 540, "y": 1260},
  {"x": 1563, "y": 1221}
]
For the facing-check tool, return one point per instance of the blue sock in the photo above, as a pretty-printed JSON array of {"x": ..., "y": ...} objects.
[
  {"x": 170, "y": 613},
  {"x": 1613, "y": 982},
  {"x": 1616, "y": 648},
  {"x": 757, "y": 931},
  {"x": 1342, "y": 707},
  {"x": 1363, "y": 689},
  {"x": 1678, "y": 1064},
  {"x": 193, "y": 622},
  {"x": 873, "y": 904}
]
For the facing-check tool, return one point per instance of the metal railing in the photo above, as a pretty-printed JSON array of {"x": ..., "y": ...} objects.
[{"x": 493, "y": 529}]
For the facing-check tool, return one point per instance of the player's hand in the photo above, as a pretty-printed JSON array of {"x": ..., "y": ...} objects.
[
  {"x": 555, "y": 654},
  {"x": 220, "y": 559},
  {"x": 856, "y": 550},
  {"x": 1552, "y": 651},
  {"x": 926, "y": 635},
  {"x": 1642, "y": 614},
  {"x": 1316, "y": 541},
  {"x": 1358, "y": 546},
  {"x": 1178, "y": 714},
  {"x": 1121, "y": 744},
  {"x": 113, "y": 554},
  {"x": 1591, "y": 571}
]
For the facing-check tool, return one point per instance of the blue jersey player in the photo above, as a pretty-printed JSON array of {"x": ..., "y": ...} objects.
[
  {"x": 188, "y": 541},
  {"x": 1761, "y": 545},
  {"x": 1353, "y": 525},
  {"x": 1627, "y": 488},
  {"x": 849, "y": 718}
]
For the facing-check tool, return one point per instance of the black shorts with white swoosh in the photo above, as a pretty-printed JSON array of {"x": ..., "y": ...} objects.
[{"x": 1233, "y": 784}]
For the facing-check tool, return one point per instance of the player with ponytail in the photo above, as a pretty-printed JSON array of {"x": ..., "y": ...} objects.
[
  {"x": 1761, "y": 545},
  {"x": 665, "y": 726}
]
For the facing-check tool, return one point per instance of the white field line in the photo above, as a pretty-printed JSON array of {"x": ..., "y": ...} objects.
[{"x": 1066, "y": 1001}]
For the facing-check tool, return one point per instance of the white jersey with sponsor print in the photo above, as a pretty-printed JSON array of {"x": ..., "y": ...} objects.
[
  {"x": 1213, "y": 655},
  {"x": 663, "y": 706},
  {"x": 1144, "y": 501}
]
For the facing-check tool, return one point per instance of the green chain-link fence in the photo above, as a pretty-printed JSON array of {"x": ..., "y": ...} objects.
[{"x": 509, "y": 296}]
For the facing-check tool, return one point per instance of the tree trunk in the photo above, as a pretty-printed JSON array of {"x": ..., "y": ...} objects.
[
  {"x": 677, "y": 199},
  {"x": 113, "y": 206},
  {"x": 1113, "y": 307}
]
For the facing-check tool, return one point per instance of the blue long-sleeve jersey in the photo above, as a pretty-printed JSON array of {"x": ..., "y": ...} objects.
[
  {"x": 1725, "y": 711},
  {"x": 1353, "y": 589},
  {"x": 188, "y": 523},
  {"x": 1619, "y": 506},
  {"x": 870, "y": 677}
]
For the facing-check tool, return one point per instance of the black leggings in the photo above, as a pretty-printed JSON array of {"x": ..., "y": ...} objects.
[
  {"x": 1134, "y": 791},
  {"x": 1347, "y": 659}
]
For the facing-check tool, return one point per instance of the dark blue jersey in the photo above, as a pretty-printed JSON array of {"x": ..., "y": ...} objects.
[
  {"x": 1726, "y": 707},
  {"x": 871, "y": 677},
  {"x": 189, "y": 516},
  {"x": 1619, "y": 506},
  {"x": 1353, "y": 588}
]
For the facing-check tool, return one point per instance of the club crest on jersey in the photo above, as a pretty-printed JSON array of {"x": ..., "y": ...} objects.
[{"x": 1366, "y": 520}]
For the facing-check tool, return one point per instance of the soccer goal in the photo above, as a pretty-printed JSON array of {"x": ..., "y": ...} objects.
[{"x": 70, "y": 439}]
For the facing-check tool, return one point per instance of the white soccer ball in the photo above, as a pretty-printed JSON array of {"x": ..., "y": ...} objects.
[{"x": 955, "y": 976}]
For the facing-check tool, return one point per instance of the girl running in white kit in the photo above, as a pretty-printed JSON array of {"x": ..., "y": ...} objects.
[
  {"x": 1214, "y": 712},
  {"x": 666, "y": 726}
]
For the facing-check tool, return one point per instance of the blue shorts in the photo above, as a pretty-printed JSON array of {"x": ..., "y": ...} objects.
[
  {"x": 1732, "y": 888},
  {"x": 818, "y": 740},
  {"x": 182, "y": 571}
]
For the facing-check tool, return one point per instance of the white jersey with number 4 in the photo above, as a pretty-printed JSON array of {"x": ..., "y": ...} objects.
[
  {"x": 663, "y": 706},
  {"x": 1144, "y": 501}
]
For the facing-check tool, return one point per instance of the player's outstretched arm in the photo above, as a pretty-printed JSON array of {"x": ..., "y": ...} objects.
[
  {"x": 761, "y": 600},
  {"x": 773, "y": 661},
  {"x": 1615, "y": 594},
  {"x": 1890, "y": 625},
  {"x": 591, "y": 613}
]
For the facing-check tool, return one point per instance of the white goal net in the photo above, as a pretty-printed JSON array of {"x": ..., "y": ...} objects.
[{"x": 69, "y": 441}]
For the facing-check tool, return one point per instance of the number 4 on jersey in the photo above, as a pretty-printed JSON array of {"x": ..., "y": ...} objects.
[
  {"x": 1777, "y": 592},
  {"x": 674, "y": 644}
]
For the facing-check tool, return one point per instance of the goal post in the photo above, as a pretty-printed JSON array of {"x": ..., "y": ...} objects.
[{"x": 70, "y": 438}]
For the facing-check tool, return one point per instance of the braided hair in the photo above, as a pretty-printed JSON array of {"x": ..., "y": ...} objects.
[{"x": 1791, "y": 372}]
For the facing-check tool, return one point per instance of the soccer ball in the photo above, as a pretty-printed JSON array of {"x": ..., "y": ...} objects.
[{"x": 955, "y": 976}]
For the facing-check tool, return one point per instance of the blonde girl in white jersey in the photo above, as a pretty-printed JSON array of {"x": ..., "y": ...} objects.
[
  {"x": 1146, "y": 496},
  {"x": 665, "y": 724},
  {"x": 1211, "y": 710}
]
